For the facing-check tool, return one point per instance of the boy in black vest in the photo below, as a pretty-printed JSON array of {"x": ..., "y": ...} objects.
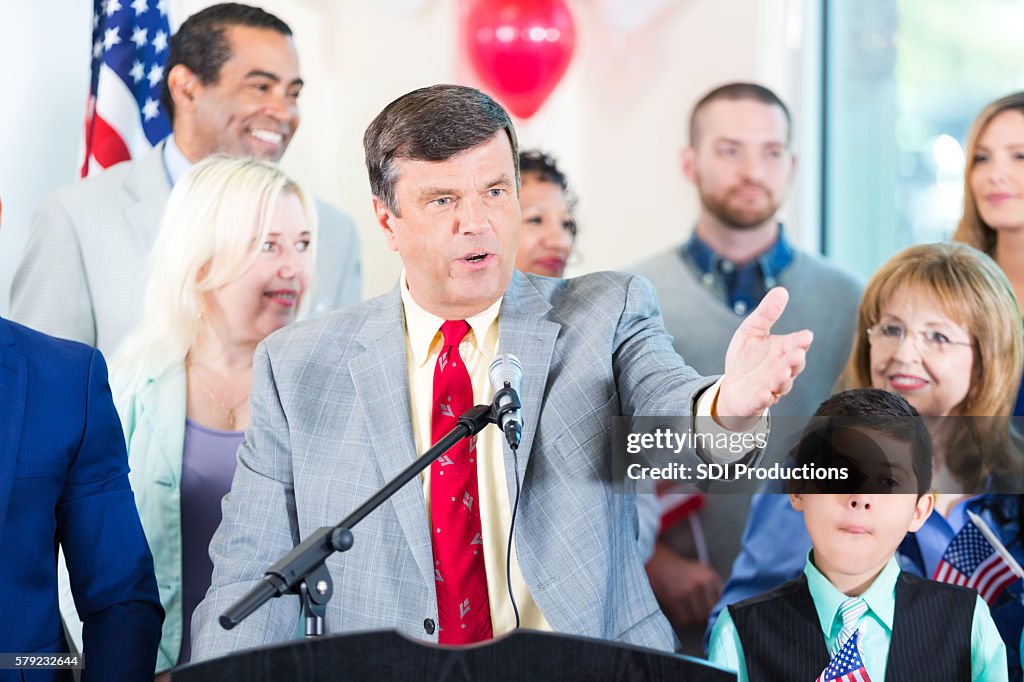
[{"x": 853, "y": 615}]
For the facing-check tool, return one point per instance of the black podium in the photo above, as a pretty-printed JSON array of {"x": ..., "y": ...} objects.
[{"x": 388, "y": 655}]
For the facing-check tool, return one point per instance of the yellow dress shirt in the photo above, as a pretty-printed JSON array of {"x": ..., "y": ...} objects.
[{"x": 423, "y": 344}]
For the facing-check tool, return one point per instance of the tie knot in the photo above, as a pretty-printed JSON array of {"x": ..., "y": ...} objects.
[
  {"x": 852, "y": 610},
  {"x": 454, "y": 331}
]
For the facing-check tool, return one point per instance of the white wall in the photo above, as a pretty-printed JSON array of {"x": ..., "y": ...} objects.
[
  {"x": 44, "y": 78},
  {"x": 616, "y": 122}
]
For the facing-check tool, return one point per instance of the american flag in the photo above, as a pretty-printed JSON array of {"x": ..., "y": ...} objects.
[
  {"x": 123, "y": 116},
  {"x": 675, "y": 503},
  {"x": 847, "y": 665},
  {"x": 971, "y": 560}
]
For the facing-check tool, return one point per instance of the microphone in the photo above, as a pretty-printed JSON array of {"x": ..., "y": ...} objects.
[{"x": 506, "y": 374}]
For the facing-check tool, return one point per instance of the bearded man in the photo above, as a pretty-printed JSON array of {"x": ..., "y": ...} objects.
[{"x": 739, "y": 158}]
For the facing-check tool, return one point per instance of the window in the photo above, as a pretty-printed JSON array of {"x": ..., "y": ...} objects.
[{"x": 903, "y": 80}]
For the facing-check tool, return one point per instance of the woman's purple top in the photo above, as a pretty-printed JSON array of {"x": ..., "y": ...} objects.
[{"x": 208, "y": 465}]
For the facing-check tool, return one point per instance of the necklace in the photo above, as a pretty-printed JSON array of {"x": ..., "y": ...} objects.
[{"x": 230, "y": 409}]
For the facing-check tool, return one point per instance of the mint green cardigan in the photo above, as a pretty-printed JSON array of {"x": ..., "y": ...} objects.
[{"x": 153, "y": 419}]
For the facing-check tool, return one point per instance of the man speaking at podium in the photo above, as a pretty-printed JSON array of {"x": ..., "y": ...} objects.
[{"x": 341, "y": 405}]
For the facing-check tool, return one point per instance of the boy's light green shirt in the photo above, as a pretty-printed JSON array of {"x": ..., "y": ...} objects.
[{"x": 988, "y": 654}]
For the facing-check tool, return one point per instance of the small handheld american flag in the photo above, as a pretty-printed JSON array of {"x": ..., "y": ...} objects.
[
  {"x": 676, "y": 502},
  {"x": 847, "y": 665},
  {"x": 973, "y": 561},
  {"x": 123, "y": 116}
]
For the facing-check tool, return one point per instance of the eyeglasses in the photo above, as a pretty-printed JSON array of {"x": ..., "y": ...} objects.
[{"x": 931, "y": 341}]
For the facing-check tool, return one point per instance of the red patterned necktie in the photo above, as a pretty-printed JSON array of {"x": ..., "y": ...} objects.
[{"x": 460, "y": 577}]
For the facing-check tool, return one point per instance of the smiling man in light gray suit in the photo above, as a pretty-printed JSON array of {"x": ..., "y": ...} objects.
[
  {"x": 341, "y": 405},
  {"x": 232, "y": 87}
]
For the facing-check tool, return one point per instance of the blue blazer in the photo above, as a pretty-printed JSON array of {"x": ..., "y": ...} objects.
[{"x": 64, "y": 480}]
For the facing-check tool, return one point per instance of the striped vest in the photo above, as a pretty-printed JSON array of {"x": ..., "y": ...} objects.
[{"x": 931, "y": 634}]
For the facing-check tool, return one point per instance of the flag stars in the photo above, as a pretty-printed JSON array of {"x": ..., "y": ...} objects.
[
  {"x": 111, "y": 37},
  {"x": 140, "y": 37},
  {"x": 160, "y": 41},
  {"x": 151, "y": 109},
  {"x": 123, "y": 46},
  {"x": 138, "y": 71},
  {"x": 155, "y": 74},
  {"x": 162, "y": 7}
]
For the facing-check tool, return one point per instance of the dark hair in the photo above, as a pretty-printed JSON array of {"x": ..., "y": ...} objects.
[
  {"x": 872, "y": 409},
  {"x": 734, "y": 92},
  {"x": 431, "y": 124},
  {"x": 543, "y": 167},
  {"x": 201, "y": 46}
]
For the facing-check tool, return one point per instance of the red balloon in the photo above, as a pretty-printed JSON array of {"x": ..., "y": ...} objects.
[{"x": 520, "y": 49}]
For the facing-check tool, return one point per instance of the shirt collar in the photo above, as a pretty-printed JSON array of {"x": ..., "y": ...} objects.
[
  {"x": 772, "y": 261},
  {"x": 880, "y": 595},
  {"x": 424, "y": 328},
  {"x": 175, "y": 162},
  {"x": 957, "y": 517}
]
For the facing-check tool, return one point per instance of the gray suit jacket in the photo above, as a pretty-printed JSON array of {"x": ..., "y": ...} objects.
[
  {"x": 331, "y": 424},
  {"x": 85, "y": 264}
]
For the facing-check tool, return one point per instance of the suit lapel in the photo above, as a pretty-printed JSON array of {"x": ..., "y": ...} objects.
[
  {"x": 381, "y": 382},
  {"x": 13, "y": 389},
  {"x": 525, "y": 331},
  {"x": 147, "y": 183}
]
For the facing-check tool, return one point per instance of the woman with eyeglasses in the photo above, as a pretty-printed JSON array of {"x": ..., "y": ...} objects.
[{"x": 938, "y": 324}]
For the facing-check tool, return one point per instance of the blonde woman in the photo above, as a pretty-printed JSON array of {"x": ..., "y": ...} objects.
[
  {"x": 233, "y": 263},
  {"x": 993, "y": 217},
  {"x": 938, "y": 324}
]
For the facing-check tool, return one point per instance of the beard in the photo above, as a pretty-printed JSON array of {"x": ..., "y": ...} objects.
[{"x": 734, "y": 212}]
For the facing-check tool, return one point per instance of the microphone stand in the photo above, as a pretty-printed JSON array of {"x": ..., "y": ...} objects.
[{"x": 304, "y": 565}]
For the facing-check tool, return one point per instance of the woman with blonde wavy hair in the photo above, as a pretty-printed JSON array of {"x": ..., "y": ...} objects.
[
  {"x": 993, "y": 215},
  {"x": 233, "y": 262}
]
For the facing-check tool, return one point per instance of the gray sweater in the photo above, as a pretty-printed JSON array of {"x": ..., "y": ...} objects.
[{"x": 822, "y": 298}]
